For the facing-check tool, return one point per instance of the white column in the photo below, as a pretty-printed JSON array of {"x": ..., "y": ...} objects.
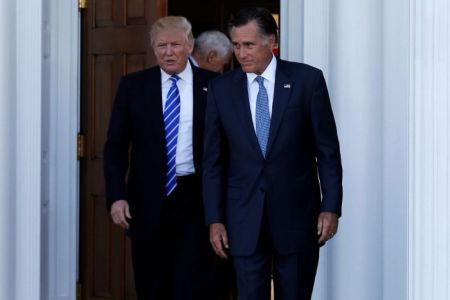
[
  {"x": 28, "y": 148},
  {"x": 316, "y": 42},
  {"x": 429, "y": 182},
  {"x": 7, "y": 149},
  {"x": 355, "y": 266},
  {"x": 291, "y": 29},
  {"x": 316, "y": 53}
]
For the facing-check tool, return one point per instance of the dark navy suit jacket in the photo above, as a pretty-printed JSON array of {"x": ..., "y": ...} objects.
[
  {"x": 136, "y": 146},
  {"x": 301, "y": 174}
]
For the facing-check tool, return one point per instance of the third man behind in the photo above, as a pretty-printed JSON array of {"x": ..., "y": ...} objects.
[{"x": 212, "y": 50}]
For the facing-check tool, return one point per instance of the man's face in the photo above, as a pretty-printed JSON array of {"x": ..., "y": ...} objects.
[
  {"x": 251, "y": 49},
  {"x": 172, "y": 50}
]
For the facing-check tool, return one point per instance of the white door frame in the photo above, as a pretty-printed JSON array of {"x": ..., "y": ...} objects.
[{"x": 60, "y": 201}]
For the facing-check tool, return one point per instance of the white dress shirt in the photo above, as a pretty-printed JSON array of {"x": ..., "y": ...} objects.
[
  {"x": 193, "y": 61},
  {"x": 184, "y": 158},
  {"x": 269, "y": 83}
]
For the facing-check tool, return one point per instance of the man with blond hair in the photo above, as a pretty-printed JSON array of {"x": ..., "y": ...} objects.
[{"x": 152, "y": 166}]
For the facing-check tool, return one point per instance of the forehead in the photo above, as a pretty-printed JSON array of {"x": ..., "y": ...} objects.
[{"x": 247, "y": 32}]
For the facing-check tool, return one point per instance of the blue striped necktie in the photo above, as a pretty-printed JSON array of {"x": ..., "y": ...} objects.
[
  {"x": 171, "y": 122},
  {"x": 262, "y": 116}
]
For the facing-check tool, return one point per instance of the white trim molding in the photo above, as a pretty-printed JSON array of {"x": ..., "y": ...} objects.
[
  {"x": 60, "y": 202},
  {"x": 429, "y": 156}
]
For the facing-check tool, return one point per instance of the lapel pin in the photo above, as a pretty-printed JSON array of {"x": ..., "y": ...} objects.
[
  {"x": 287, "y": 86},
  {"x": 205, "y": 89}
]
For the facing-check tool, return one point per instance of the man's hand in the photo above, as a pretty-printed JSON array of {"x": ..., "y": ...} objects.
[
  {"x": 327, "y": 226},
  {"x": 120, "y": 211},
  {"x": 219, "y": 239}
]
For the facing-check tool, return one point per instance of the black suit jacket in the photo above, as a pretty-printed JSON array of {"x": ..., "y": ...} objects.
[
  {"x": 136, "y": 144},
  {"x": 301, "y": 174}
]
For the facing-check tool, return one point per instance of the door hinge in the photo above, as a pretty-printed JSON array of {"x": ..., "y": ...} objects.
[
  {"x": 80, "y": 146},
  {"x": 82, "y": 4}
]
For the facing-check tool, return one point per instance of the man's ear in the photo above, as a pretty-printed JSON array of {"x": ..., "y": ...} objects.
[
  {"x": 272, "y": 40},
  {"x": 211, "y": 56}
]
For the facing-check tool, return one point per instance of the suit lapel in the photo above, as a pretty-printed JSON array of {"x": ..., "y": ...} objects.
[
  {"x": 243, "y": 108},
  {"x": 282, "y": 92}
]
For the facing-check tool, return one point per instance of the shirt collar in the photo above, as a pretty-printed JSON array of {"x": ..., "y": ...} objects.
[
  {"x": 185, "y": 75},
  {"x": 268, "y": 74},
  {"x": 193, "y": 61}
]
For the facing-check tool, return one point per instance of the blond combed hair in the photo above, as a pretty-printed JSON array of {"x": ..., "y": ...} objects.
[{"x": 172, "y": 23}]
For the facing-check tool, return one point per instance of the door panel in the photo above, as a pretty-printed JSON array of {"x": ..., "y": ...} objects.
[{"x": 115, "y": 42}]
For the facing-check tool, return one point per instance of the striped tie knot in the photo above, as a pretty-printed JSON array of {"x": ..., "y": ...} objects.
[{"x": 174, "y": 78}]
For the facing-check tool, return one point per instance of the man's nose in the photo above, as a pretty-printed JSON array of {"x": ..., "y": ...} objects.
[
  {"x": 169, "y": 50},
  {"x": 240, "y": 53}
]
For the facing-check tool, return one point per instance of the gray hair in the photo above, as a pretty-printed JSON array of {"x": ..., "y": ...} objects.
[
  {"x": 213, "y": 40},
  {"x": 172, "y": 23}
]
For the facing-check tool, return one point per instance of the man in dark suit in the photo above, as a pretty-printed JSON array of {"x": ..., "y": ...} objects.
[
  {"x": 272, "y": 176},
  {"x": 156, "y": 135}
]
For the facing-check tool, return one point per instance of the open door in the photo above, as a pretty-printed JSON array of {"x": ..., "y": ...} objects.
[{"x": 115, "y": 42}]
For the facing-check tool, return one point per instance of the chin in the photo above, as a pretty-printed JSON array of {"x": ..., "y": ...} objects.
[
  {"x": 247, "y": 69},
  {"x": 171, "y": 70}
]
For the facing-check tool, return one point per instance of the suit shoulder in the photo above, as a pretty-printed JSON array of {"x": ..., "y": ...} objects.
[
  {"x": 154, "y": 71},
  {"x": 140, "y": 79}
]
